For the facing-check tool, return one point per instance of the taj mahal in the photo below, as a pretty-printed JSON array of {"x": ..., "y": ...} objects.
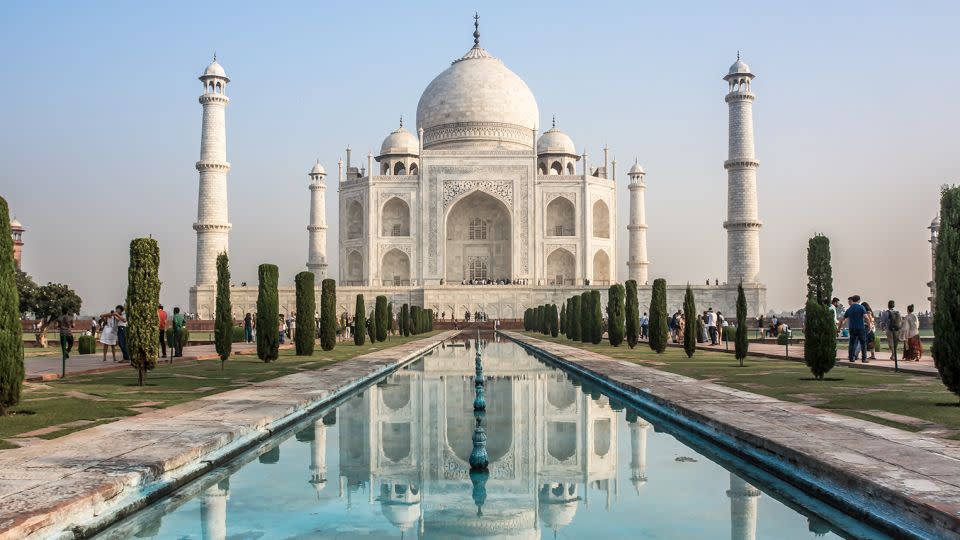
[{"x": 475, "y": 209}]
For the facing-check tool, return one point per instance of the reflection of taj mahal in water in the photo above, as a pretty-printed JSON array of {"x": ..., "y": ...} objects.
[
  {"x": 476, "y": 194},
  {"x": 552, "y": 447}
]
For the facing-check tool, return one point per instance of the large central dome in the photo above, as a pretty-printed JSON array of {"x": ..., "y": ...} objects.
[{"x": 477, "y": 102}]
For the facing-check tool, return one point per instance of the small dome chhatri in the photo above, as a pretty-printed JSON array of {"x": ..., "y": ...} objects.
[
  {"x": 739, "y": 67},
  {"x": 555, "y": 141},
  {"x": 636, "y": 169},
  {"x": 400, "y": 141},
  {"x": 215, "y": 70},
  {"x": 318, "y": 169}
]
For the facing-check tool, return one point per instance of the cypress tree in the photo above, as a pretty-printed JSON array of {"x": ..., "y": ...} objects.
[
  {"x": 540, "y": 318},
  {"x": 306, "y": 295},
  {"x": 690, "y": 326},
  {"x": 223, "y": 324},
  {"x": 391, "y": 324},
  {"x": 268, "y": 313},
  {"x": 554, "y": 323},
  {"x": 143, "y": 297},
  {"x": 415, "y": 320},
  {"x": 360, "y": 322},
  {"x": 632, "y": 314},
  {"x": 563, "y": 318},
  {"x": 575, "y": 317},
  {"x": 596, "y": 324},
  {"x": 741, "y": 341},
  {"x": 946, "y": 314},
  {"x": 566, "y": 318},
  {"x": 586, "y": 318},
  {"x": 430, "y": 320},
  {"x": 820, "y": 329},
  {"x": 11, "y": 331},
  {"x": 381, "y": 315},
  {"x": 405, "y": 320},
  {"x": 615, "y": 314},
  {"x": 328, "y": 314},
  {"x": 658, "y": 316}
]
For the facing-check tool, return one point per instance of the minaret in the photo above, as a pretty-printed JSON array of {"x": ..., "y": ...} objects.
[
  {"x": 743, "y": 509},
  {"x": 213, "y": 229},
  {"x": 213, "y": 510},
  {"x": 638, "y": 450},
  {"x": 743, "y": 224},
  {"x": 934, "y": 233},
  {"x": 318, "y": 456},
  {"x": 317, "y": 250},
  {"x": 637, "y": 262},
  {"x": 16, "y": 231}
]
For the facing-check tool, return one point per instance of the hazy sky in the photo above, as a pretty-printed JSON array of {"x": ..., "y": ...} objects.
[{"x": 856, "y": 119}]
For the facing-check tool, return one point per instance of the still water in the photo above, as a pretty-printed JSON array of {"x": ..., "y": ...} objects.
[{"x": 565, "y": 461}]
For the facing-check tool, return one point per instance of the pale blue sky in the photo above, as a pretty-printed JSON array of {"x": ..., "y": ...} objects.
[{"x": 857, "y": 115}]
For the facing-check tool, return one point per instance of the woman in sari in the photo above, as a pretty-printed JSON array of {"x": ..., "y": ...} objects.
[{"x": 911, "y": 331}]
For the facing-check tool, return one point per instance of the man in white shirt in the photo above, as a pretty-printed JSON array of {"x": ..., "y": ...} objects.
[
  {"x": 712, "y": 326},
  {"x": 644, "y": 326}
]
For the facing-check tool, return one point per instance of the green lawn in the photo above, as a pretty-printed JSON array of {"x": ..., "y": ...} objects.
[
  {"x": 105, "y": 397},
  {"x": 845, "y": 391}
]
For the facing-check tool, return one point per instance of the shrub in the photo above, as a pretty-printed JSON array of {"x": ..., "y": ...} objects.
[
  {"x": 360, "y": 320},
  {"x": 305, "y": 338},
  {"x": 783, "y": 339},
  {"x": 632, "y": 314},
  {"x": 740, "y": 339},
  {"x": 268, "y": 313},
  {"x": 86, "y": 345},
  {"x": 405, "y": 320},
  {"x": 690, "y": 328},
  {"x": 946, "y": 314},
  {"x": 820, "y": 340},
  {"x": 658, "y": 316},
  {"x": 380, "y": 313},
  {"x": 223, "y": 317},
  {"x": 586, "y": 318},
  {"x": 143, "y": 297},
  {"x": 11, "y": 332},
  {"x": 328, "y": 314},
  {"x": 615, "y": 314},
  {"x": 576, "y": 316},
  {"x": 596, "y": 316}
]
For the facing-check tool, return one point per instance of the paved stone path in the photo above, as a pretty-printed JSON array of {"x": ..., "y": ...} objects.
[
  {"x": 45, "y": 368},
  {"x": 894, "y": 474},
  {"x": 771, "y": 350},
  {"x": 92, "y": 477}
]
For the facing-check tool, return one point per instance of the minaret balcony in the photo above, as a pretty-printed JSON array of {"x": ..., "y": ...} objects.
[
  {"x": 213, "y": 166},
  {"x": 742, "y": 224},
  {"x": 739, "y": 96},
  {"x": 741, "y": 163}
]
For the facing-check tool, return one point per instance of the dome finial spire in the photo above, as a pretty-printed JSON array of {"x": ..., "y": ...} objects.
[
  {"x": 738, "y": 54},
  {"x": 476, "y": 29},
  {"x": 401, "y": 120},
  {"x": 214, "y": 55},
  {"x": 554, "y": 121}
]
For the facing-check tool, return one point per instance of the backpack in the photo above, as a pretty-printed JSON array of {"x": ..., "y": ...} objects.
[{"x": 895, "y": 321}]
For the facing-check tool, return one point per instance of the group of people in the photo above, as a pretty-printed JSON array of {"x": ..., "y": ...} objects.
[
  {"x": 112, "y": 328},
  {"x": 862, "y": 326},
  {"x": 709, "y": 325}
]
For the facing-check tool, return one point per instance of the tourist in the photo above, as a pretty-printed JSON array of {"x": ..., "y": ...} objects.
[
  {"x": 711, "y": 323},
  {"x": 162, "y": 318},
  {"x": 65, "y": 322},
  {"x": 108, "y": 333},
  {"x": 283, "y": 329},
  {"x": 892, "y": 321},
  {"x": 292, "y": 325},
  {"x": 248, "y": 327},
  {"x": 122, "y": 333},
  {"x": 837, "y": 309},
  {"x": 722, "y": 324},
  {"x": 871, "y": 323},
  {"x": 912, "y": 348},
  {"x": 681, "y": 326},
  {"x": 179, "y": 323},
  {"x": 94, "y": 324},
  {"x": 701, "y": 328},
  {"x": 644, "y": 326},
  {"x": 854, "y": 316}
]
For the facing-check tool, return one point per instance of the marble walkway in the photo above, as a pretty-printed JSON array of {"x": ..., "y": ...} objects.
[
  {"x": 908, "y": 479},
  {"x": 76, "y": 484}
]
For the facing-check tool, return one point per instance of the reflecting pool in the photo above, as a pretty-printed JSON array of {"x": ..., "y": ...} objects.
[{"x": 564, "y": 460}]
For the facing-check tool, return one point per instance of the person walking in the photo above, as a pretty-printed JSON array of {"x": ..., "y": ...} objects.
[
  {"x": 891, "y": 321},
  {"x": 122, "y": 333},
  {"x": 282, "y": 328},
  {"x": 108, "y": 333},
  {"x": 712, "y": 326},
  {"x": 94, "y": 326},
  {"x": 912, "y": 348},
  {"x": 162, "y": 317},
  {"x": 179, "y": 323},
  {"x": 855, "y": 317},
  {"x": 248, "y": 327},
  {"x": 292, "y": 325},
  {"x": 65, "y": 322},
  {"x": 644, "y": 325},
  {"x": 871, "y": 324}
]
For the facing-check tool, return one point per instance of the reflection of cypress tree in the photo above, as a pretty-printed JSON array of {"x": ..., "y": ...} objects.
[{"x": 271, "y": 456}]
